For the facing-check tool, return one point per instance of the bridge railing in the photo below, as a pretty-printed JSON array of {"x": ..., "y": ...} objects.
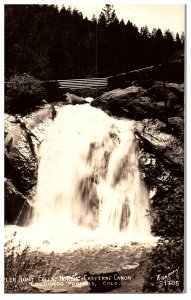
[{"x": 90, "y": 83}]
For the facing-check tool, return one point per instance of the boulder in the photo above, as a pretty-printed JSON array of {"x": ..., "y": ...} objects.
[
  {"x": 119, "y": 102},
  {"x": 137, "y": 103},
  {"x": 174, "y": 94},
  {"x": 17, "y": 209},
  {"x": 73, "y": 99},
  {"x": 161, "y": 163},
  {"x": 176, "y": 126},
  {"x": 23, "y": 135},
  {"x": 20, "y": 156},
  {"x": 165, "y": 146}
]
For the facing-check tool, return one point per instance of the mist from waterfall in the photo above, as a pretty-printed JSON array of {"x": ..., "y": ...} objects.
[{"x": 89, "y": 186}]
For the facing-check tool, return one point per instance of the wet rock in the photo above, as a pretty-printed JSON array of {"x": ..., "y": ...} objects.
[
  {"x": 137, "y": 103},
  {"x": 176, "y": 126},
  {"x": 20, "y": 157},
  {"x": 15, "y": 205},
  {"x": 174, "y": 94},
  {"x": 38, "y": 122},
  {"x": 121, "y": 94},
  {"x": 129, "y": 102},
  {"x": 23, "y": 136},
  {"x": 162, "y": 166},
  {"x": 166, "y": 147},
  {"x": 73, "y": 99}
]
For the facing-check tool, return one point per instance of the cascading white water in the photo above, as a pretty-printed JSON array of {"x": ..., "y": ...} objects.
[
  {"x": 88, "y": 176},
  {"x": 89, "y": 186}
]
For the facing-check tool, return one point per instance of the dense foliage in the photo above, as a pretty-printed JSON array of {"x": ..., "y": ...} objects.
[
  {"x": 50, "y": 43},
  {"x": 168, "y": 216},
  {"x": 165, "y": 269},
  {"x": 21, "y": 86},
  {"x": 24, "y": 92}
]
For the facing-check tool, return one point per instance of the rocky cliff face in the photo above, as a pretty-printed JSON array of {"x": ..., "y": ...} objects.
[{"x": 23, "y": 136}]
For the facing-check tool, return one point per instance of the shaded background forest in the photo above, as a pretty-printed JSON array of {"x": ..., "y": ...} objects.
[{"x": 49, "y": 43}]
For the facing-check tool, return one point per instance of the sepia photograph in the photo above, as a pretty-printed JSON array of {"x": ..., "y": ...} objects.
[{"x": 94, "y": 139}]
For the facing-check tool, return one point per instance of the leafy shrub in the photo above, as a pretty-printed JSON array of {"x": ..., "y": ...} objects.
[
  {"x": 25, "y": 90},
  {"x": 24, "y": 85},
  {"x": 14, "y": 266},
  {"x": 165, "y": 270},
  {"x": 21, "y": 267},
  {"x": 168, "y": 213}
]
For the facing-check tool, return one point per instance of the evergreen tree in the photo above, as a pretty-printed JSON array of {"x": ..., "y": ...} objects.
[
  {"x": 157, "y": 46},
  {"x": 178, "y": 42},
  {"x": 169, "y": 44},
  {"x": 182, "y": 39},
  {"x": 145, "y": 58},
  {"x": 109, "y": 13},
  {"x": 52, "y": 44}
]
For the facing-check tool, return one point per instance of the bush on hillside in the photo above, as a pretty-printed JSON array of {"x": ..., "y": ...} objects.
[
  {"x": 165, "y": 268},
  {"x": 24, "y": 91}
]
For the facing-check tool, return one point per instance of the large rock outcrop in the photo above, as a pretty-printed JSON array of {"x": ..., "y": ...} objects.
[
  {"x": 165, "y": 146},
  {"x": 20, "y": 161},
  {"x": 23, "y": 136},
  {"x": 138, "y": 103}
]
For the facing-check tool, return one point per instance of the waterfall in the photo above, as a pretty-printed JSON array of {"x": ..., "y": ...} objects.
[{"x": 89, "y": 185}]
